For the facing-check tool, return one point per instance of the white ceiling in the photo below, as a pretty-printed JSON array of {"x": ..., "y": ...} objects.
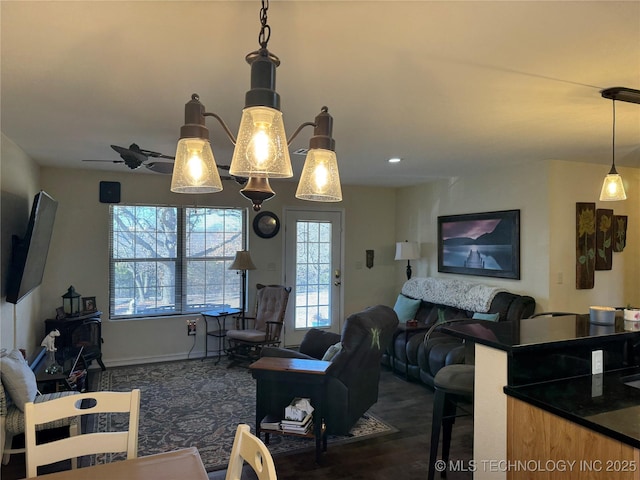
[{"x": 452, "y": 87}]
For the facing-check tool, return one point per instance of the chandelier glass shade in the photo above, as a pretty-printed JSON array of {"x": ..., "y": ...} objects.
[
  {"x": 195, "y": 169},
  {"x": 261, "y": 148},
  {"x": 320, "y": 179}
]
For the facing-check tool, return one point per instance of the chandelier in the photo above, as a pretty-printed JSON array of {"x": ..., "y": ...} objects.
[{"x": 261, "y": 148}]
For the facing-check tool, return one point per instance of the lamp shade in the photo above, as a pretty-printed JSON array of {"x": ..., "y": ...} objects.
[
  {"x": 320, "y": 179},
  {"x": 195, "y": 169},
  {"x": 407, "y": 251},
  {"x": 261, "y": 148},
  {"x": 242, "y": 261},
  {"x": 612, "y": 188}
]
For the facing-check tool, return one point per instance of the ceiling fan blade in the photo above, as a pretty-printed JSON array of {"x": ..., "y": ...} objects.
[
  {"x": 240, "y": 180},
  {"x": 109, "y": 161},
  {"x": 165, "y": 168},
  {"x": 224, "y": 167},
  {"x": 151, "y": 153}
]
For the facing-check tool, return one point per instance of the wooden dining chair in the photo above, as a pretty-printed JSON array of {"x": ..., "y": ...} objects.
[
  {"x": 249, "y": 448},
  {"x": 84, "y": 444}
]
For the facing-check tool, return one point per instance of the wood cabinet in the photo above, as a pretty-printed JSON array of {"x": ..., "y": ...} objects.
[{"x": 544, "y": 446}]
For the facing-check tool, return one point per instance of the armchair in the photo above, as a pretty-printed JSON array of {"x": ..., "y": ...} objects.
[
  {"x": 354, "y": 373},
  {"x": 267, "y": 324}
]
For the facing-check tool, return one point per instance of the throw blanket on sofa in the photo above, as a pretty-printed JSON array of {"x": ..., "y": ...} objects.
[{"x": 473, "y": 297}]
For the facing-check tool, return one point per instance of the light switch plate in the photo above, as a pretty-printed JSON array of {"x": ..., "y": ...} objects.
[{"x": 596, "y": 362}]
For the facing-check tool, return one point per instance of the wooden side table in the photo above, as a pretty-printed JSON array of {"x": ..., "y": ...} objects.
[{"x": 298, "y": 378}]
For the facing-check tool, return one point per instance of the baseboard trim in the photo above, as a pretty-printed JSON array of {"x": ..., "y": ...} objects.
[{"x": 122, "y": 362}]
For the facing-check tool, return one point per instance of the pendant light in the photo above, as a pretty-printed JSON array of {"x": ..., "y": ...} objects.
[
  {"x": 262, "y": 148},
  {"x": 612, "y": 187}
]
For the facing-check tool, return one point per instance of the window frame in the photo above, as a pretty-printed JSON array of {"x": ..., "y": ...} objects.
[{"x": 181, "y": 294}]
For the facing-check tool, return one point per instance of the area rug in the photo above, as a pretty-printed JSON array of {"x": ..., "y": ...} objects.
[{"x": 197, "y": 403}]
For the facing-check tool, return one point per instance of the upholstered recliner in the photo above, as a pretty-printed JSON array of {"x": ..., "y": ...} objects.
[{"x": 354, "y": 374}]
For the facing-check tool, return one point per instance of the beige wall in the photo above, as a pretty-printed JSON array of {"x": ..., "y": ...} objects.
[
  {"x": 79, "y": 252},
  {"x": 520, "y": 187},
  {"x": 20, "y": 181},
  {"x": 620, "y": 286},
  {"x": 546, "y": 194}
]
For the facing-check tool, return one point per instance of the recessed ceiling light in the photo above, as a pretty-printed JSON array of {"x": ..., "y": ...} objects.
[{"x": 394, "y": 160}]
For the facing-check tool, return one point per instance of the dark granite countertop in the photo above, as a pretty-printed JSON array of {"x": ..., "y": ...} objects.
[
  {"x": 602, "y": 402},
  {"x": 538, "y": 333}
]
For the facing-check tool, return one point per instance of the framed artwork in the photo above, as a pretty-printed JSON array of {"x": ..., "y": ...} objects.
[
  {"x": 585, "y": 245},
  {"x": 89, "y": 304},
  {"x": 604, "y": 239},
  {"x": 484, "y": 244},
  {"x": 619, "y": 232}
]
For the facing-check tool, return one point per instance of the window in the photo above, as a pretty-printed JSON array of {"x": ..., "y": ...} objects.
[{"x": 169, "y": 260}]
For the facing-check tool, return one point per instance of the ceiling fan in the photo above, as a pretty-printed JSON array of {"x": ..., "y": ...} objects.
[{"x": 135, "y": 157}]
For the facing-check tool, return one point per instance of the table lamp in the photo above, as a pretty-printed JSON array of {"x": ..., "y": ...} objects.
[{"x": 407, "y": 251}]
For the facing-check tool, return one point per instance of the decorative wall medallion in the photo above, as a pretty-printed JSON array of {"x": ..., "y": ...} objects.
[{"x": 266, "y": 224}]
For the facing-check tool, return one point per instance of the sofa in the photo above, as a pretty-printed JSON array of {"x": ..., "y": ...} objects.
[
  {"x": 354, "y": 373},
  {"x": 431, "y": 301}
]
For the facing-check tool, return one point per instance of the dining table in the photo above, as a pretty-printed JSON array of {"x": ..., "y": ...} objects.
[{"x": 184, "y": 463}]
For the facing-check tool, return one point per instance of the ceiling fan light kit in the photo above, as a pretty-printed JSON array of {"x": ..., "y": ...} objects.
[
  {"x": 262, "y": 148},
  {"x": 612, "y": 187}
]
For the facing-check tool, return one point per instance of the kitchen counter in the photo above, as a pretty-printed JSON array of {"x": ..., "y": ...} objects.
[
  {"x": 538, "y": 333},
  {"x": 601, "y": 402},
  {"x": 548, "y": 348},
  {"x": 546, "y": 362}
]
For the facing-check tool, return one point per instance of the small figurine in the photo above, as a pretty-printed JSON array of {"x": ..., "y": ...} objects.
[{"x": 49, "y": 342}]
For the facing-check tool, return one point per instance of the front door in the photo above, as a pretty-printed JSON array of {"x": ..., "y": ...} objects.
[{"x": 313, "y": 269}]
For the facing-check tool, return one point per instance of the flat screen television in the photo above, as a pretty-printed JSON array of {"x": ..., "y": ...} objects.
[{"x": 29, "y": 253}]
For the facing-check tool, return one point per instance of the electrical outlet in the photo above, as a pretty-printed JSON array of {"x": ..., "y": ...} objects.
[
  {"x": 191, "y": 327},
  {"x": 597, "y": 366}
]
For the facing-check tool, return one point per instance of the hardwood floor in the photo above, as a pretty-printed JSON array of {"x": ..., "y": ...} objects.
[{"x": 403, "y": 455}]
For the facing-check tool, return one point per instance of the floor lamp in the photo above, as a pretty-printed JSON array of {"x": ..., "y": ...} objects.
[{"x": 242, "y": 263}]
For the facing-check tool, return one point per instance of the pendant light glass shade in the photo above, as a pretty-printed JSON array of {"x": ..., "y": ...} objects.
[
  {"x": 612, "y": 188},
  {"x": 195, "y": 169},
  {"x": 261, "y": 146},
  {"x": 320, "y": 179}
]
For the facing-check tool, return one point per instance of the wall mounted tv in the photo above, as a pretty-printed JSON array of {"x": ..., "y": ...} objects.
[{"x": 29, "y": 253}]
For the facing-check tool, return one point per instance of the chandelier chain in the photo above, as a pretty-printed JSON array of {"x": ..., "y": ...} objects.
[{"x": 265, "y": 29}]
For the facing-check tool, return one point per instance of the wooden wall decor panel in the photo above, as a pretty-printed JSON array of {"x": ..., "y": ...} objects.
[
  {"x": 585, "y": 244},
  {"x": 604, "y": 239},
  {"x": 619, "y": 232}
]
